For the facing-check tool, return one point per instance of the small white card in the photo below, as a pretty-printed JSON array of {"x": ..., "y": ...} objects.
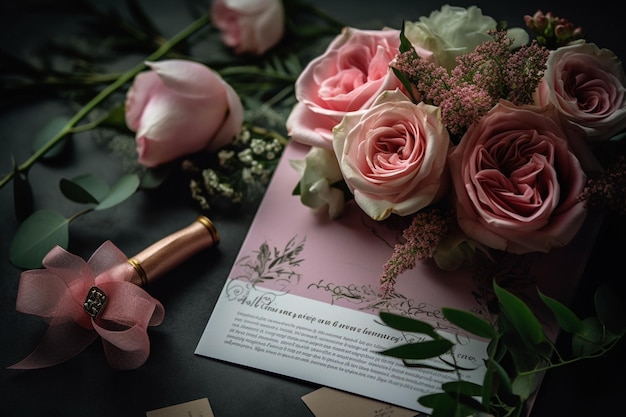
[
  {"x": 328, "y": 402},
  {"x": 196, "y": 408}
]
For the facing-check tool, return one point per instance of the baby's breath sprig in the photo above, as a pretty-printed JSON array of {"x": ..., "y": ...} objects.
[{"x": 239, "y": 172}]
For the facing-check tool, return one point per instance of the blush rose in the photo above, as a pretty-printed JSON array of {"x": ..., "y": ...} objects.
[
  {"x": 393, "y": 156},
  {"x": 347, "y": 77},
  {"x": 587, "y": 85},
  {"x": 180, "y": 107},
  {"x": 517, "y": 182},
  {"x": 249, "y": 26}
]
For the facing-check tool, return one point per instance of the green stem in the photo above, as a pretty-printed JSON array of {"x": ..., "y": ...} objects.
[
  {"x": 78, "y": 214},
  {"x": 601, "y": 353},
  {"x": 122, "y": 80}
]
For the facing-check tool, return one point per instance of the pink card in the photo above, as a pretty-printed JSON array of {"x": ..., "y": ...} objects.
[{"x": 302, "y": 299}]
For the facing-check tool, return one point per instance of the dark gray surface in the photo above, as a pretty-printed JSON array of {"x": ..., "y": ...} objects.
[{"x": 86, "y": 385}]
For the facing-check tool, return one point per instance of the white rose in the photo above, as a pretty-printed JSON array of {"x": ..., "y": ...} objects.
[
  {"x": 454, "y": 31},
  {"x": 319, "y": 171}
]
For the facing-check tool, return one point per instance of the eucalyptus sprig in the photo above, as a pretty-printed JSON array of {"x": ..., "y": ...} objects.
[
  {"x": 265, "y": 85},
  {"x": 518, "y": 353}
]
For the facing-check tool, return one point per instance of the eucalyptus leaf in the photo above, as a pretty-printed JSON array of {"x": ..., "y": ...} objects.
[
  {"x": 121, "y": 190},
  {"x": 470, "y": 322},
  {"x": 420, "y": 350},
  {"x": 458, "y": 367},
  {"x": 566, "y": 318},
  {"x": 85, "y": 189},
  {"x": 610, "y": 310},
  {"x": 589, "y": 340},
  {"x": 462, "y": 387},
  {"x": 445, "y": 405},
  {"x": 408, "y": 324},
  {"x": 152, "y": 178},
  {"x": 421, "y": 365},
  {"x": 442, "y": 404},
  {"x": 524, "y": 385},
  {"x": 521, "y": 316},
  {"x": 36, "y": 236},
  {"x": 503, "y": 379},
  {"x": 51, "y": 129},
  {"x": 468, "y": 405}
]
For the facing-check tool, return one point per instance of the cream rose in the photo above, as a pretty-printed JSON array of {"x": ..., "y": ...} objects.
[
  {"x": 352, "y": 72},
  {"x": 516, "y": 181},
  {"x": 319, "y": 171},
  {"x": 393, "y": 156},
  {"x": 454, "y": 31},
  {"x": 587, "y": 85}
]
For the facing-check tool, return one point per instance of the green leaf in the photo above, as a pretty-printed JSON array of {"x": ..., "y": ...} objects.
[
  {"x": 524, "y": 385},
  {"x": 121, "y": 190},
  {"x": 421, "y": 365},
  {"x": 564, "y": 316},
  {"x": 589, "y": 339},
  {"x": 463, "y": 387},
  {"x": 445, "y": 405},
  {"x": 420, "y": 350},
  {"x": 520, "y": 315},
  {"x": 503, "y": 379},
  {"x": 470, "y": 322},
  {"x": 406, "y": 83},
  {"x": 408, "y": 324},
  {"x": 85, "y": 189},
  {"x": 463, "y": 392},
  {"x": 296, "y": 189},
  {"x": 36, "y": 236},
  {"x": 154, "y": 177},
  {"x": 610, "y": 310},
  {"x": 51, "y": 129},
  {"x": 405, "y": 43},
  {"x": 442, "y": 404}
]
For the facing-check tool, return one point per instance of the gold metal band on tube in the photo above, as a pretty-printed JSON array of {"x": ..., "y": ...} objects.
[{"x": 140, "y": 271}]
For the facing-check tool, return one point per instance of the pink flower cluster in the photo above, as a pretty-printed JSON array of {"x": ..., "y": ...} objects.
[
  {"x": 480, "y": 79},
  {"x": 421, "y": 238}
]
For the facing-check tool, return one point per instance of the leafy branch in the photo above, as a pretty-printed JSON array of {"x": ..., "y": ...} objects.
[
  {"x": 45, "y": 228},
  {"x": 105, "y": 93},
  {"x": 518, "y": 352}
]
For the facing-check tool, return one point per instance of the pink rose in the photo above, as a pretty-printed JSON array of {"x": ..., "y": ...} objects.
[
  {"x": 587, "y": 85},
  {"x": 348, "y": 77},
  {"x": 249, "y": 26},
  {"x": 517, "y": 182},
  {"x": 181, "y": 107},
  {"x": 393, "y": 156}
]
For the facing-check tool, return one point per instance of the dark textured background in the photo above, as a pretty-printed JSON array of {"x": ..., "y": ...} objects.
[{"x": 87, "y": 386}]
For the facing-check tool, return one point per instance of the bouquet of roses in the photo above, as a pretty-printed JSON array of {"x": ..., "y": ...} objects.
[{"x": 479, "y": 136}]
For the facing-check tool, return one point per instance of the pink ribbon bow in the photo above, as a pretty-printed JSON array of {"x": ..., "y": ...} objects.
[{"x": 58, "y": 294}]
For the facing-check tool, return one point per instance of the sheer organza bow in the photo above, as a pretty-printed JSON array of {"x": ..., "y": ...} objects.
[{"x": 57, "y": 293}]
